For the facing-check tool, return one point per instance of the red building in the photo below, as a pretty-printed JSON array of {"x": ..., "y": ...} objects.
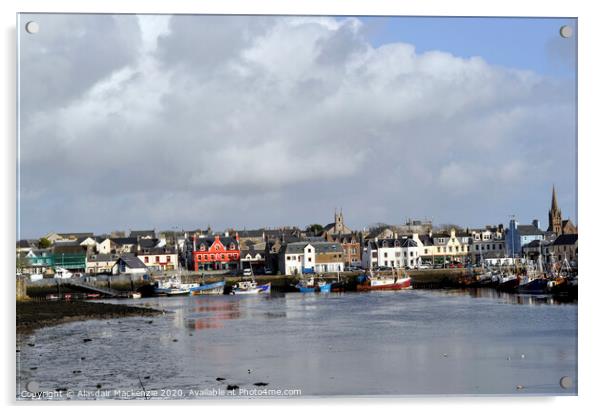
[{"x": 216, "y": 253}]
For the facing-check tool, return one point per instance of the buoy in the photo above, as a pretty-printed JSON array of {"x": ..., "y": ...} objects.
[{"x": 522, "y": 356}]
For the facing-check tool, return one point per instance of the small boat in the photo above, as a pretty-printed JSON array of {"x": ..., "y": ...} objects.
[
  {"x": 216, "y": 288},
  {"x": 135, "y": 295},
  {"x": 309, "y": 285},
  {"x": 173, "y": 287},
  {"x": 508, "y": 283},
  {"x": 537, "y": 285},
  {"x": 250, "y": 287},
  {"x": 381, "y": 282},
  {"x": 324, "y": 286}
]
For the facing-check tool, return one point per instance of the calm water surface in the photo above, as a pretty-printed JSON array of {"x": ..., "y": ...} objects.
[{"x": 375, "y": 343}]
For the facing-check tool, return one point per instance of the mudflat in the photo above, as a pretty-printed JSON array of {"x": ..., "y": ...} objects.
[{"x": 38, "y": 314}]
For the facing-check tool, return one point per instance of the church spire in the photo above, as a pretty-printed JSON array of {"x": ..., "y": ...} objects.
[{"x": 554, "y": 201}]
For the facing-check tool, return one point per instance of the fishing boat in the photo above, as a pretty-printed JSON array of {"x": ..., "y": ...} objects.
[
  {"x": 324, "y": 286},
  {"x": 216, "y": 288},
  {"x": 382, "y": 282},
  {"x": 250, "y": 287},
  {"x": 310, "y": 285},
  {"x": 173, "y": 287},
  {"x": 508, "y": 282},
  {"x": 306, "y": 285},
  {"x": 537, "y": 285}
]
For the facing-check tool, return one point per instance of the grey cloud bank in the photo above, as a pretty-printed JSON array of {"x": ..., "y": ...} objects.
[{"x": 141, "y": 122}]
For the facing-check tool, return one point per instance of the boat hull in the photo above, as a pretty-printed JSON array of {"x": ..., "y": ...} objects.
[
  {"x": 209, "y": 289},
  {"x": 306, "y": 289},
  {"x": 509, "y": 285},
  {"x": 402, "y": 284},
  {"x": 253, "y": 291},
  {"x": 534, "y": 286},
  {"x": 325, "y": 288}
]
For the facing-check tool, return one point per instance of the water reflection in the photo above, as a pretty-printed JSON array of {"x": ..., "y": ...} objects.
[
  {"x": 510, "y": 298},
  {"x": 208, "y": 313}
]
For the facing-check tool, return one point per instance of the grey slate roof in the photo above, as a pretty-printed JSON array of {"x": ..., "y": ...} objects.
[
  {"x": 142, "y": 233},
  {"x": 103, "y": 257},
  {"x": 529, "y": 230},
  {"x": 565, "y": 239},
  {"x": 124, "y": 240},
  {"x": 132, "y": 261},
  {"x": 321, "y": 247}
]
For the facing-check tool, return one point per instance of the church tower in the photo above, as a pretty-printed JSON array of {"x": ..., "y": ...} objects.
[
  {"x": 555, "y": 215},
  {"x": 339, "y": 225}
]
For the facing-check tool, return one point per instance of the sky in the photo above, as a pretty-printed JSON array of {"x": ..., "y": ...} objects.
[{"x": 138, "y": 122}]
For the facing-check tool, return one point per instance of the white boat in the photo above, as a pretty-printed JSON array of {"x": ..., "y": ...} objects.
[
  {"x": 135, "y": 295},
  {"x": 216, "y": 288},
  {"x": 250, "y": 287},
  {"x": 62, "y": 273},
  {"x": 173, "y": 287}
]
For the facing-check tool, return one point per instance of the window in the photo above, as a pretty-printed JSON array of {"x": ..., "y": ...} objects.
[
  {"x": 288, "y": 258},
  {"x": 374, "y": 255},
  {"x": 168, "y": 259},
  {"x": 157, "y": 259},
  {"x": 309, "y": 259},
  {"x": 212, "y": 257},
  {"x": 386, "y": 254},
  {"x": 145, "y": 259}
]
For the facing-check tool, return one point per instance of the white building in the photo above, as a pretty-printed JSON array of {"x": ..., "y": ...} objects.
[
  {"x": 396, "y": 253},
  {"x": 311, "y": 257}
]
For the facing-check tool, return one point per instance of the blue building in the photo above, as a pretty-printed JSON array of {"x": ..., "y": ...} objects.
[{"x": 518, "y": 235}]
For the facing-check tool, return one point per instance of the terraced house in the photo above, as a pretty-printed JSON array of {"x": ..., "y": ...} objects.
[
  {"x": 311, "y": 257},
  {"x": 396, "y": 253},
  {"x": 215, "y": 253},
  {"x": 447, "y": 246}
]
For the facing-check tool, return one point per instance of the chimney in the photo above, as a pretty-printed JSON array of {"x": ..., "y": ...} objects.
[
  {"x": 536, "y": 223},
  {"x": 237, "y": 239}
]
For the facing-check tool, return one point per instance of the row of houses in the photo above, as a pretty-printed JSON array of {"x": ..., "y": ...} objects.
[
  {"x": 290, "y": 250},
  {"x": 140, "y": 252}
]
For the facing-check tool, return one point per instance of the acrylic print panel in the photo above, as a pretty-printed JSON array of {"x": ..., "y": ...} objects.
[{"x": 295, "y": 206}]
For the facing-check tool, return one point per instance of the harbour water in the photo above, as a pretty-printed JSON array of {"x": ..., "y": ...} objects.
[{"x": 412, "y": 342}]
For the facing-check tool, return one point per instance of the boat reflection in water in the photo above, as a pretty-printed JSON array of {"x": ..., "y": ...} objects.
[
  {"x": 507, "y": 297},
  {"x": 210, "y": 314}
]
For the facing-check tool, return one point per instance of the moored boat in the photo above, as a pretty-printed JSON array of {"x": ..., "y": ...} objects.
[
  {"x": 508, "y": 283},
  {"x": 537, "y": 285},
  {"x": 380, "y": 282},
  {"x": 216, "y": 288},
  {"x": 250, "y": 287}
]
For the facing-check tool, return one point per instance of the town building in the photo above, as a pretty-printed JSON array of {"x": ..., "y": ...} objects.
[
  {"x": 159, "y": 258},
  {"x": 395, "y": 253},
  {"x": 215, "y": 253},
  {"x": 564, "y": 249},
  {"x": 252, "y": 255},
  {"x": 556, "y": 224},
  {"x": 443, "y": 247},
  {"x": 487, "y": 243},
  {"x": 70, "y": 256},
  {"x": 129, "y": 264},
  {"x": 311, "y": 257},
  {"x": 338, "y": 226},
  {"x": 519, "y": 235},
  {"x": 101, "y": 263}
]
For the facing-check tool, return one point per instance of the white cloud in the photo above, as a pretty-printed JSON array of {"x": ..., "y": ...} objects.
[{"x": 293, "y": 109}]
